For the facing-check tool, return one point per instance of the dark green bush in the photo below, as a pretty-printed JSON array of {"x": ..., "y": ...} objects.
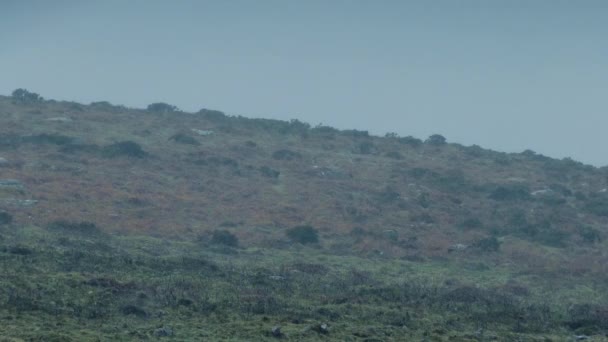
[
  {"x": 409, "y": 140},
  {"x": 124, "y": 149},
  {"x": 489, "y": 244},
  {"x": 224, "y": 237},
  {"x": 436, "y": 140},
  {"x": 161, "y": 107},
  {"x": 303, "y": 234},
  {"x": 269, "y": 172},
  {"x": 5, "y": 218},
  {"x": 589, "y": 234},
  {"x": 213, "y": 115},
  {"x": 23, "y": 96}
]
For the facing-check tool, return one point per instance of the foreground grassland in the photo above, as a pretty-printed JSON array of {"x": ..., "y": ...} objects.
[{"x": 89, "y": 286}]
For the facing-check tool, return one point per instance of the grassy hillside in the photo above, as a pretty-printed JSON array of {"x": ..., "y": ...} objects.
[{"x": 130, "y": 224}]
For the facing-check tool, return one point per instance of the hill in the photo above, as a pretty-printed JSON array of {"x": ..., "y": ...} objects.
[{"x": 247, "y": 224}]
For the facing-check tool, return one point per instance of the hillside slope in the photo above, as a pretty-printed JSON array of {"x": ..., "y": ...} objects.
[{"x": 181, "y": 176}]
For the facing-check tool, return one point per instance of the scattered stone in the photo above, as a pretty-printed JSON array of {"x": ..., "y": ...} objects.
[
  {"x": 322, "y": 328},
  {"x": 202, "y": 132},
  {"x": 163, "y": 332},
  {"x": 276, "y": 331},
  {"x": 18, "y": 202},
  {"x": 581, "y": 337},
  {"x": 276, "y": 277},
  {"x": 457, "y": 248},
  {"x": 541, "y": 192}
]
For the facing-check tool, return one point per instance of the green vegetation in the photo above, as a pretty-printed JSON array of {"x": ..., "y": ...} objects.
[
  {"x": 224, "y": 237},
  {"x": 22, "y": 96},
  {"x": 161, "y": 107},
  {"x": 418, "y": 242},
  {"x": 120, "y": 288},
  {"x": 303, "y": 234}
]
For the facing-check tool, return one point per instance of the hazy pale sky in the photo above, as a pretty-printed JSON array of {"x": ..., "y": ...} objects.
[{"x": 508, "y": 75}]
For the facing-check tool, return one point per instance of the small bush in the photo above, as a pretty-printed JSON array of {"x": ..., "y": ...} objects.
[
  {"x": 589, "y": 234},
  {"x": 224, "y": 237},
  {"x": 409, "y": 140},
  {"x": 436, "y": 140},
  {"x": 5, "y": 218},
  {"x": 303, "y": 234},
  {"x": 490, "y": 244},
  {"x": 213, "y": 115},
  {"x": 124, "y": 149},
  {"x": 161, "y": 107},
  {"x": 269, "y": 172}
]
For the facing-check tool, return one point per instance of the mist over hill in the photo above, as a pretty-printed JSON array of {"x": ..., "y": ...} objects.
[{"x": 257, "y": 185}]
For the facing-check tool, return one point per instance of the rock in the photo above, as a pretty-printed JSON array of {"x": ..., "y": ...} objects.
[
  {"x": 457, "y": 247},
  {"x": 276, "y": 331},
  {"x": 163, "y": 332},
  {"x": 581, "y": 337},
  {"x": 276, "y": 277},
  {"x": 322, "y": 328},
  {"x": 202, "y": 132}
]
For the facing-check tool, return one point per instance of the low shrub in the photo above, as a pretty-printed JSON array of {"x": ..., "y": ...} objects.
[
  {"x": 161, "y": 107},
  {"x": 489, "y": 244},
  {"x": 303, "y": 234},
  {"x": 269, "y": 172},
  {"x": 224, "y": 237},
  {"x": 435, "y": 140},
  {"x": 5, "y": 218}
]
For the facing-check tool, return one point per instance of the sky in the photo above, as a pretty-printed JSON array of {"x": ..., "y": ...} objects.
[{"x": 506, "y": 75}]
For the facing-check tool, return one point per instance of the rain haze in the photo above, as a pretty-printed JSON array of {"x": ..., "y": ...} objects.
[{"x": 505, "y": 75}]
